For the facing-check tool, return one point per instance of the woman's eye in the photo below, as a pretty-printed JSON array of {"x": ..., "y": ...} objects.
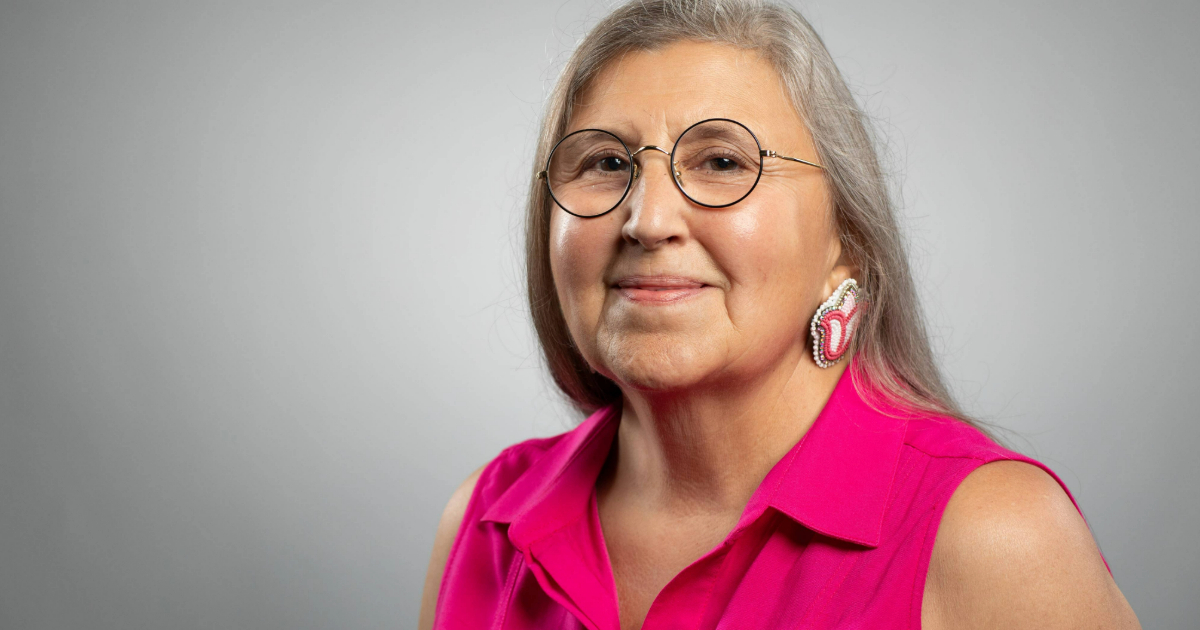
[
  {"x": 604, "y": 164},
  {"x": 722, "y": 164},
  {"x": 612, "y": 164},
  {"x": 718, "y": 164}
]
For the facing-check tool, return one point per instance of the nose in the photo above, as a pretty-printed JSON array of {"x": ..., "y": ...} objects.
[
  {"x": 648, "y": 147},
  {"x": 656, "y": 207}
]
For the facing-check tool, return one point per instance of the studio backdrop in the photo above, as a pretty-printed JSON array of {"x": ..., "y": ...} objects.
[{"x": 261, "y": 302}]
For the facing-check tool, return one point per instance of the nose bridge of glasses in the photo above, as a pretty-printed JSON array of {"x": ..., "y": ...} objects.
[{"x": 648, "y": 147}]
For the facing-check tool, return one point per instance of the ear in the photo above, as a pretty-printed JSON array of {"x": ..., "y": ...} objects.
[{"x": 841, "y": 268}]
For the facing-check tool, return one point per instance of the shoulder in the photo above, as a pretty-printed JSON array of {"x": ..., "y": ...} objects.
[
  {"x": 490, "y": 480},
  {"x": 1013, "y": 551},
  {"x": 497, "y": 475},
  {"x": 443, "y": 541},
  {"x": 939, "y": 436}
]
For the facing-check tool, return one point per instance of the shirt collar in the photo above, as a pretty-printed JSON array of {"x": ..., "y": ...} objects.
[{"x": 836, "y": 481}]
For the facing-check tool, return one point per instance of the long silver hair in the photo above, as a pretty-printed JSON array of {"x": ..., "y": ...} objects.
[{"x": 895, "y": 363}]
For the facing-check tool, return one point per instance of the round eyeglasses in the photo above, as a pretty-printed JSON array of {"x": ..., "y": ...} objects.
[{"x": 715, "y": 163}]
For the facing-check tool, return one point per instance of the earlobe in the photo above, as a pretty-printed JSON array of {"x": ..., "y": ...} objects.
[{"x": 838, "y": 276}]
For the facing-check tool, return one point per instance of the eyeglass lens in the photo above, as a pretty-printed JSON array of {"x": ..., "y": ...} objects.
[{"x": 716, "y": 163}]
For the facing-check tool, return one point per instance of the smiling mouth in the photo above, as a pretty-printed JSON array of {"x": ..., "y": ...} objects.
[{"x": 658, "y": 289}]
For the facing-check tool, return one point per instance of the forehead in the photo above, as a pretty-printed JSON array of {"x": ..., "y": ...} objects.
[{"x": 661, "y": 92}]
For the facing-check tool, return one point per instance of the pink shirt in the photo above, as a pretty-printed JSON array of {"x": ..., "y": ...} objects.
[{"x": 838, "y": 535}]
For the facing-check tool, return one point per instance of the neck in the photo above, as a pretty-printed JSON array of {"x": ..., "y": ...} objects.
[{"x": 708, "y": 448}]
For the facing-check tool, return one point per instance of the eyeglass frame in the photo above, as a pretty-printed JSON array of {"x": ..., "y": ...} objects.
[{"x": 675, "y": 175}]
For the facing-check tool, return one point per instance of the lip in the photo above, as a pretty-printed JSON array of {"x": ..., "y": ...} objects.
[{"x": 658, "y": 289}]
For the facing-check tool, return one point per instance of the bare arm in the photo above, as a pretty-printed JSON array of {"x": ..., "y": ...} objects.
[
  {"x": 447, "y": 531},
  {"x": 1012, "y": 552}
]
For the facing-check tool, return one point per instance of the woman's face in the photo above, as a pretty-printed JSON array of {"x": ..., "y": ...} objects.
[{"x": 663, "y": 294}]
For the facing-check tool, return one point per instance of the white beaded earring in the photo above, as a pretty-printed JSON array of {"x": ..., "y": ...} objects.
[{"x": 834, "y": 324}]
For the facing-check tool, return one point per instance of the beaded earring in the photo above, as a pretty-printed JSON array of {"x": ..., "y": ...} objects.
[{"x": 834, "y": 324}]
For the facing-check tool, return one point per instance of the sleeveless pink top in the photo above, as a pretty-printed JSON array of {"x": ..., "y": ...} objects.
[{"x": 838, "y": 535}]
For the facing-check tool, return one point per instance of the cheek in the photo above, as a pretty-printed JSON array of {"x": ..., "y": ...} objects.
[
  {"x": 578, "y": 257},
  {"x": 774, "y": 254}
]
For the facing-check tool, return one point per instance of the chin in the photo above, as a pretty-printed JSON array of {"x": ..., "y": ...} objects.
[{"x": 658, "y": 363}]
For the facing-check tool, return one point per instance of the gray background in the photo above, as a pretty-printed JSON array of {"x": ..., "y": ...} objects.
[{"x": 260, "y": 301}]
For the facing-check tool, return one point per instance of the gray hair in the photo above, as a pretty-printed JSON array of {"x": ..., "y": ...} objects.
[{"x": 896, "y": 365}]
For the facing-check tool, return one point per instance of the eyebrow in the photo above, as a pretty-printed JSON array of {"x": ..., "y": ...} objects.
[{"x": 624, "y": 129}]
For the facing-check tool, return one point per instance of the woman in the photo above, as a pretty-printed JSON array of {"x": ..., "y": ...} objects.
[{"x": 716, "y": 276}]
